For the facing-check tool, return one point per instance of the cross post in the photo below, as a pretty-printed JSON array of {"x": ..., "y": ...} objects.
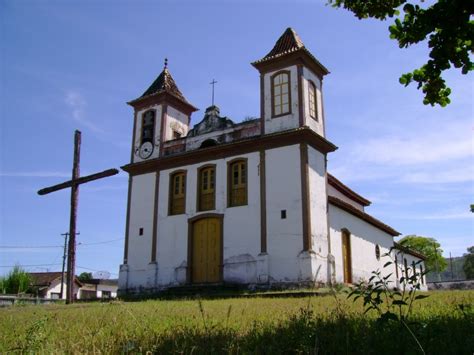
[
  {"x": 213, "y": 82},
  {"x": 74, "y": 185}
]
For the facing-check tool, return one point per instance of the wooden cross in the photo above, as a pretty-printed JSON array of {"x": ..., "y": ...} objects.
[
  {"x": 74, "y": 185},
  {"x": 213, "y": 82}
]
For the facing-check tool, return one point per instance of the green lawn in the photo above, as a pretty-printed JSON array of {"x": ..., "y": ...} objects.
[{"x": 314, "y": 324}]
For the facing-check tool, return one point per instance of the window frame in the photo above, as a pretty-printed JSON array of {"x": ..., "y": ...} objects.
[
  {"x": 199, "y": 192},
  {"x": 230, "y": 183},
  {"x": 171, "y": 198},
  {"x": 152, "y": 139},
  {"x": 311, "y": 85},
  {"x": 272, "y": 88}
]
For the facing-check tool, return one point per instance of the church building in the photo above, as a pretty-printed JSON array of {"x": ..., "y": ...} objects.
[{"x": 247, "y": 203}]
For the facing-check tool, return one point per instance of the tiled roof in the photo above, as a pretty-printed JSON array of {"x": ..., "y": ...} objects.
[
  {"x": 164, "y": 83},
  {"x": 289, "y": 42},
  {"x": 409, "y": 251},
  {"x": 344, "y": 189},
  {"x": 362, "y": 215},
  {"x": 44, "y": 278}
]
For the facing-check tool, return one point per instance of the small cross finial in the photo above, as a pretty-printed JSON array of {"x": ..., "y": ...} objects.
[
  {"x": 213, "y": 82},
  {"x": 166, "y": 63}
]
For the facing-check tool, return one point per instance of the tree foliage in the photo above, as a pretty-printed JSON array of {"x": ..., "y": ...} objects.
[
  {"x": 468, "y": 266},
  {"x": 428, "y": 247},
  {"x": 17, "y": 281},
  {"x": 85, "y": 276},
  {"x": 447, "y": 26}
]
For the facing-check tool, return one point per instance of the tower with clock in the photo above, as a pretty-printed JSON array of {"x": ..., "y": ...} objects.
[{"x": 161, "y": 114}]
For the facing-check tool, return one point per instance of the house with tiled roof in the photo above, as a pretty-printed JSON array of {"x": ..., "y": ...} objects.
[
  {"x": 218, "y": 202},
  {"x": 48, "y": 285}
]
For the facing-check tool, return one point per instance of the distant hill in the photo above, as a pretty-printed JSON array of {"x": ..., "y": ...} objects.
[{"x": 456, "y": 274}]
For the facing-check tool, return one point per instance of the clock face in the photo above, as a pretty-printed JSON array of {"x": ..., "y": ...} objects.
[{"x": 145, "y": 150}]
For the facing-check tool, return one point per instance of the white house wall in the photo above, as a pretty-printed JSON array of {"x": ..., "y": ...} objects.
[
  {"x": 283, "y": 192},
  {"x": 316, "y": 125},
  {"x": 285, "y": 122},
  {"x": 318, "y": 207},
  {"x": 363, "y": 238},
  {"x": 335, "y": 193}
]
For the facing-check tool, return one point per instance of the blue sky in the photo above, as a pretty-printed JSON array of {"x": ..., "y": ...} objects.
[{"x": 69, "y": 65}]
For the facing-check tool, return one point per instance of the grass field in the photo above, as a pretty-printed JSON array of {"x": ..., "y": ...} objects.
[{"x": 444, "y": 324}]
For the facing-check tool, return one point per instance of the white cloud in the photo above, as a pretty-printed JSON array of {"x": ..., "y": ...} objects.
[
  {"x": 420, "y": 147},
  {"x": 450, "y": 175},
  {"x": 77, "y": 103}
]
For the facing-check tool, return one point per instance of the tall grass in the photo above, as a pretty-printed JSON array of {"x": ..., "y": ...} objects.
[{"x": 443, "y": 323}]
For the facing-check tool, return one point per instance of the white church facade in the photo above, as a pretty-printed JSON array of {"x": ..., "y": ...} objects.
[{"x": 247, "y": 203}]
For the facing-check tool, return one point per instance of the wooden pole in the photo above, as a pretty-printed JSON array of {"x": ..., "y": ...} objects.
[{"x": 71, "y": 260}]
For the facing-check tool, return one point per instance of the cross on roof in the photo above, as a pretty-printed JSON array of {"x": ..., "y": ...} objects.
[{"x": 213, "y": 82}]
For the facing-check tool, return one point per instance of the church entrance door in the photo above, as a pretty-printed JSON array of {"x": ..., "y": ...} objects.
[
  {"x": 346, "y": 257},
  {"x": 206, "y": 250}
]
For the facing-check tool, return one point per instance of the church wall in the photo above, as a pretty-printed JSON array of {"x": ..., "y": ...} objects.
[
  {"x": 333, "y": 192},
  {"x": 241, "y": 225},
  {"x": 316, "y": 125},
  {"x": 400, "y": 256},
  {"x": 283, "y": 192},
  {"x": 138, "y": 129},
  {"x": 285, "y": 122},
  {"x": 363, "y": 239},
  {"x": 318, "y": 206},
  {"x": 141, "y": 216},
  {"x": 175, "y": 121}
]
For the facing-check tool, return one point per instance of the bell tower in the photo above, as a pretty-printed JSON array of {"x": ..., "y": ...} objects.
[
  {"x": 161, "y": 114},
  {"x": 291, "y": 81}
]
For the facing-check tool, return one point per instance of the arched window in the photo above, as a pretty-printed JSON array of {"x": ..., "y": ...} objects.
[
  {"x": 312, "y": 100},
  {"x": 177, "y": 195},
  {"x": 208, "y": 143},
  {"x": 281, "y": 98},
  {"x": 377, "y": 252},
  {"x": 206, "y": 188},
  {"x": 237, "y": 183},
  {"x": 148, "y": 126}
]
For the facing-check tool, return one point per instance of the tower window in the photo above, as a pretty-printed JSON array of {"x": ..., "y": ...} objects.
[
  {"x": 148, "y": 126},
  {"x": 237, "y": 183},
  {"x": 207, "y": 188},
  {"x": 177, "y": 193},
  {"x": 281, "y": 98},
  {"x": 312, "y": 100}
]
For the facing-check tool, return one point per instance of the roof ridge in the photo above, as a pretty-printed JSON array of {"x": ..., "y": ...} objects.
[
  {"x": 289, "y": 41},
  {"x": 164, "y": 83}
]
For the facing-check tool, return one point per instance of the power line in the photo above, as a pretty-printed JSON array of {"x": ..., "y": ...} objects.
[
  {"x": 30, "y": 265},
  {"x": 56, "y": 246},
  {"x": 86, "y": 268}
]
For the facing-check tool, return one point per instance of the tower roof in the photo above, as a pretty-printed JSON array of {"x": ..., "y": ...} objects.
[
  {"x": 163, "y": 84},
  {"x": 288, "y": 44}
]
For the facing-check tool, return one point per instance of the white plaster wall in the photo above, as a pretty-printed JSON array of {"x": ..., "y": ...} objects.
[
  {"x": 318, "y": 206},
  {"x": 141, "y": 216},
  {"x": 400, "y": 256},
  {"x": 175, "y": 121},
  {"x": 241, "y": 224},
  {"x": 55, "y": 287},
  {"x": 363, "y": 238},
  {"x": 284, "y": 236},
  {"x": 286, "y": 122},
  {"x": 138, "y": 129},
  {"x": 315, "y": 124},
  {"x": 335, "y": 193}
]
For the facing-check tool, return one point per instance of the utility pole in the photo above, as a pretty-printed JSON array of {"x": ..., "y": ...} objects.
[
  {"x": 451, "y": 262},
  {"x": 436, "y": 260},
  {"x": 64, "y": 261}
]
